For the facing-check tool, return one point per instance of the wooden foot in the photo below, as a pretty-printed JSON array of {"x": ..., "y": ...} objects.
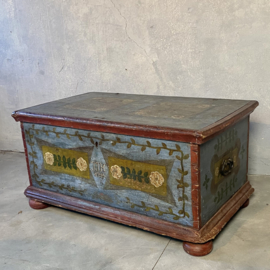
[
  {"x": 37, "y": 205},
  {"x": 245, "y": 204},
  {"x": 198, "y": 249}
]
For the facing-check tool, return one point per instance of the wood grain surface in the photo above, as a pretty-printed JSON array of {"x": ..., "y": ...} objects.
[
  {"x": 176, "y": 118},
  {"x": 198, "y": 250}
]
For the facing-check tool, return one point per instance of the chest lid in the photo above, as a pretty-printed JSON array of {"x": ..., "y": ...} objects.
[{"x": 193, "y": 120}]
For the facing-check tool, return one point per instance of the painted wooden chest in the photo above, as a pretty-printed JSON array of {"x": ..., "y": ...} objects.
[{"x": 171, "y": 165}]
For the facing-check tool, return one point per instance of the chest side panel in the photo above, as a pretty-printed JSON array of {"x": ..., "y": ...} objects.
[
  {"x": 146, "y": 176},
  {"x": 223, "y": 167}
]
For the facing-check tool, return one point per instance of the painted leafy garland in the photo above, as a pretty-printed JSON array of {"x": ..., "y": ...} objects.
[
  {"x": 61, "y": 187},
  {"x": 206, "y": 181},
  {"x": 102, "y": 139},
  {"x": 224, "y": 191},
  {"x": 224, "y": 139},
  {"x": 156, "y": 208},
  {"x": 182, "y": 185},
  {"x": 66, "y": 162},
  {"x": 132, "y": 174},
  {"x": 35, "y": 176}
]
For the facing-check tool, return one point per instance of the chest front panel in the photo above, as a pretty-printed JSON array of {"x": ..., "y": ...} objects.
[
  {"x": 142, "y": 175},
  {"x": 223, "y": 168}
]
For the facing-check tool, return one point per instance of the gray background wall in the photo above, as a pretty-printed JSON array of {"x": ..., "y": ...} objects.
[{"x": 54, "y": 49}]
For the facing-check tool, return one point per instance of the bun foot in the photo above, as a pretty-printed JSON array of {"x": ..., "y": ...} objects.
[
  {"x": 245, "y": 204},
  {"x": 198, "y": 249},
  {"x": 37, "y": 205}
]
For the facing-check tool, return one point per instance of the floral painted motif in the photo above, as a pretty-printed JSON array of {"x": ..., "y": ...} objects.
[
  {"x": 49, "y": 159},
  {"x": 116, "y": 171},
  {"x": 156, "y": 179},
  {"x": 217, "y": 171},
  {"x": 81, "y": 164},
  {"x": 72, "y": 164},
  {"x": 235, "y": 159}
]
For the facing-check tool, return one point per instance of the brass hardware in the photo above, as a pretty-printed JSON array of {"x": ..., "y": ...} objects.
[{"x": 226, "y": 167}]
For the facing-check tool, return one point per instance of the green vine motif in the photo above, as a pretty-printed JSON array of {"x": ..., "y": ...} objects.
[
  {"x": 181, "y": 183},
  {"x": 223, "y": 192},
  {"x": 102, "y": 139},
  {"x": 61, "y": 187},
  {"x": 225, "y": 138},
  {"x": 156, "y": 208},
  {"x": 205, "y": 183},
  {"x": 66, "y": 162},
  {"x": 183, "y": 197},
  {"x": 127, "y": 173},
  {"x": 35, "y": 176}
]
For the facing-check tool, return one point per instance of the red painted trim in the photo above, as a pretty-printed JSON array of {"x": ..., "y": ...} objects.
[
  {"x": 177, "y": 231},
  {"x": 180, "y": 135},
  {"x": 223, "y": 124},
  {"x": 195, "y": 185},
  {"x": 26, "y": 154},
  {"x": 216, "y": 222},
  {"x": 155, "y": 132}
]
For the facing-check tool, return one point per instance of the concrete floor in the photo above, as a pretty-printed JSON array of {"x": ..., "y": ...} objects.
[{"x": 59, "y": 239}]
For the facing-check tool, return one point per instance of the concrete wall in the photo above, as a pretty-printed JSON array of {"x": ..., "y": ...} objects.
[{"x": 54, "y": 49}]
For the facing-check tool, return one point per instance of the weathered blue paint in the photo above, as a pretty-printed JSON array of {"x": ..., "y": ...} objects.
[
  {"x": 98, "y": 188},
  {"x": 211, "y": 201}
]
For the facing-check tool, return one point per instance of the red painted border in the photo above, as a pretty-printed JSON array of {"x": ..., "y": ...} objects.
[
  {"x": 220, "y": 126},
  {"x": 180, "y": 135},
  {"x": 208, "y": 232},
  {"x": 195, "y": 185},
  {"x": 155, "y": 132}
]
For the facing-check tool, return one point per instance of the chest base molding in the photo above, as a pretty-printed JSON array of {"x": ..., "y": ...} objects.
[{"x": 208, "y": 232}]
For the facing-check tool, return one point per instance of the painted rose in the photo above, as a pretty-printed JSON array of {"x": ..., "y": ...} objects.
[
  {"x": 81, "y": 164},
  {"x": 116, "y": 171},
  {"x": 48, "y": 157},
  {"x": 235, "y": 159},
  {"x": 217, "y": 171},
  {"x": 156, "y": 179}
]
